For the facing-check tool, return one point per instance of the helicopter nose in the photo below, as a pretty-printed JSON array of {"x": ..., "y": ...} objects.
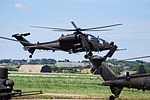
[{"x": 112, "y": 43}]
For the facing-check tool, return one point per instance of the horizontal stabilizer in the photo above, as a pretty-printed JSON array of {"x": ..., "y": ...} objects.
[{"x": 24, "y": 34}]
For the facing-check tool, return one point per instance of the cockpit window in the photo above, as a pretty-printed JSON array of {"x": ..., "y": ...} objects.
[
  {"x": 96, "y": 39},
  {"x": 102, "y": 40},
  {"x": 91, "y": 37}
]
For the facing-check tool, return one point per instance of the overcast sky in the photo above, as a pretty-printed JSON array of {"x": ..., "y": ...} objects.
[{"x": 18, "y": 15}]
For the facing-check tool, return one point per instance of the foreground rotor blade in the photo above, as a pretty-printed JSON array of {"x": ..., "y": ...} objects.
[{"x": 137, "y": 58}]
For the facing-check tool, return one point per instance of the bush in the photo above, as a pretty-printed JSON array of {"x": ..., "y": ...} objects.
[{"x": 11, "y": 68}]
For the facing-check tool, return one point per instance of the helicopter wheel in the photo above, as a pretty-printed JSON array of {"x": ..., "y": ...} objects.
[
  {"x": 112, "y": 97},
  {"x": 86, "y": 56},
  {"x": 30, "y": 56}
]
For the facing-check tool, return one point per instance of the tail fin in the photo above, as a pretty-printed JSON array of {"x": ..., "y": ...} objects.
[
  {"x": 105, "y": 71},
  {"x": 107, "y": 74},
  {"x": 24, "y": 42}
]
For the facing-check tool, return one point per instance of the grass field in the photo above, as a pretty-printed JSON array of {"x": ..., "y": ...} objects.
[{"x": 70, "y": 86}]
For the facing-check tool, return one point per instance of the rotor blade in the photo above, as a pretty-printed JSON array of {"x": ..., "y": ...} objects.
[
  {"x": 8, "y": 39},
  {"x": 76, "y": 28},
  {"x": 12, "y": 39},
  {"x": 137, "y": 58},
  {"x": 50, "y": 28},
  {"x": 97, "y": 30},
  {"x": 87, "y": 29},
  {"x": 64, "y": 30},
  {"x": 54, "y": 29},
  {"x": 120, "y": 49},
  {"x": 74, "y": 25}
]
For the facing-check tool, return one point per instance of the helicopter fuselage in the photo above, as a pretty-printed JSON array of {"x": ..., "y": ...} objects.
[
  {"x": 133, "y": 81},
  {"x": 71, "y": 43}
]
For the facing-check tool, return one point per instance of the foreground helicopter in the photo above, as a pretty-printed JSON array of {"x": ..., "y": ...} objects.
[
  {"x": 6, "y": 87},
  {"x": 117, "y": 83},
  {"x": 72, "y": 43}
]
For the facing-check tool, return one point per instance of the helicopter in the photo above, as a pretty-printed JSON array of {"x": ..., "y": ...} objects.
[
  {"x": 71, "y": 43},
  {"x": 117, "y": 83},
  {"x": 7, "y": 90}
]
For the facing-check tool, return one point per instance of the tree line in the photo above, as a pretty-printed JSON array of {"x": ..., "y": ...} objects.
[{"x": 116, "y": 65}]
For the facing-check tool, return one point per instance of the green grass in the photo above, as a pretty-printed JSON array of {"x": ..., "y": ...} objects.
[{"x": 71, "y": 85}]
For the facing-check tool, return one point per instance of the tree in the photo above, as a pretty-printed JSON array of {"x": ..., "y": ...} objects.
[
  {"x": 10, "y": 68},
  {"x": 116, "y": 70},
  {"x": 141, "y": 69},
  {"x": 55, "y": 69}
]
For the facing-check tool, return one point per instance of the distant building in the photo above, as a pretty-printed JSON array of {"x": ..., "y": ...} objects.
[
  {"x": 2, "y": 65},
  {"x": 35, "y": 68},
  {"x": 70, "y": 64},
  {"x": 123, "y": 73}
]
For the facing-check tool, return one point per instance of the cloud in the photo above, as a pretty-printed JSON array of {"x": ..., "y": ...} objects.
[{"x": 20, "y": 6}]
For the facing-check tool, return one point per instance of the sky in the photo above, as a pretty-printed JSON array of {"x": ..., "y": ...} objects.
[{"x": 16, "y": 16}]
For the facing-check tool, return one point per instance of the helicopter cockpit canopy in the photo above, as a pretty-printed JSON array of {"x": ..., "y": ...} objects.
[{"x": 96, "y": 39}]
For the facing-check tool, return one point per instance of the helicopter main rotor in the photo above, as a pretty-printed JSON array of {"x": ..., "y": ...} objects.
[{"x": 77, "y": 29}]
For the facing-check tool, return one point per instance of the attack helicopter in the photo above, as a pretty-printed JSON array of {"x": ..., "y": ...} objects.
[
  {"x": 7, "y": 90},
  {"x": 71, "y": 43},
  {"x": 117, "y": 83}
]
